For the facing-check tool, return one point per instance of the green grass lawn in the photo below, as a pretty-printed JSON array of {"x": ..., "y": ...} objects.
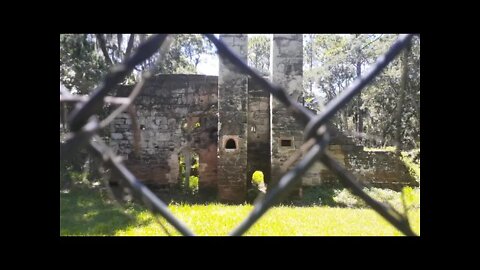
[{"x": 88, "y": 212}]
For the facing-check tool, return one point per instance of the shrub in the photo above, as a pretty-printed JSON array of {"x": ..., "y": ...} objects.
[
  {"x": 411, "y": 159},
  {"x": 319, "y": 195},
  {"x": 346, "y": 198},
  {"x": 343, "y": 197},
  {"x": 412, "y": 197},
  {"x": 257, "y": 178}
]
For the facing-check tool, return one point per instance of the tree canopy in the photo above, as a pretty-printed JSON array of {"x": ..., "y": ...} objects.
[
  {"x": 85, "y": 58},
  {"x": 332, "y": 62}
]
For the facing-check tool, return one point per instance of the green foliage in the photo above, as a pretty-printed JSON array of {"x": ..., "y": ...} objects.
[
  {"x": 83, "y": 63},
  {"x": 411, "y": 198},
  {"x": 78, "y": 169},
  {"x": 412, "y": 160},
  {"x": 319, "y": 195},
  {"x": 184, "y": 54},
  {"x": 193, "y": 180},
  {"x": 79, "y": 177},
  {"x": 259, "y": 53},
  {"x": 81, "y": 66},
  {"x": 332, "y": 62},
  {"x": 196, "y": 164},
  {"x": 345, "y": 198},
  {"x": 337, "y": 196},
  {"x": 309, "y": 100},
  {"x": 193, "y": 184}
]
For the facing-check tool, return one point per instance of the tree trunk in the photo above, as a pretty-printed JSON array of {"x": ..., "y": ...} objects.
[
  {"x": 345, "y": 119},
  {"x": 130, "y": 45},
  {"x": 398, "y": 113},
  {"x": 65, "y": 116},
  {"x": 311, "y": 66},
  {"x": 359, "y": 103},
  {"x": 142, "y": 38},
  {"x": 120, "y": 41},
  {"x": 311, "y": 60},
  {"x": 103, "y": 46},
  {"x": 358, "y": 99}
]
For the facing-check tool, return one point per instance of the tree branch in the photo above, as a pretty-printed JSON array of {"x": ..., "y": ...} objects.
[
  {"x": 372, "y": 42},
  {"x": 119, "y": 40}
]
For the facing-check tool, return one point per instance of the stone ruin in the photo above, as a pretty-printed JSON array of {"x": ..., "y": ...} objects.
[{"x": 235, "y": 128}]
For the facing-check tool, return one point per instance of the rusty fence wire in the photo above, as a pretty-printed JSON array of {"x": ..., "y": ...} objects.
[{"x": 84, "y": 126}]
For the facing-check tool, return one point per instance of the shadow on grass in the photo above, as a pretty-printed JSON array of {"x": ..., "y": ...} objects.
[
  {"x": 312, "y": 196},
  {"x": 327, "y": 195},
  {"x": 85, "y": 211},
  {"x": 318, "y": 196},
  {"x": 180, "y": 197}
]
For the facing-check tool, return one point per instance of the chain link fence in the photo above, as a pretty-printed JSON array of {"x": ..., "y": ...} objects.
[{"x": 85, "y": 125}]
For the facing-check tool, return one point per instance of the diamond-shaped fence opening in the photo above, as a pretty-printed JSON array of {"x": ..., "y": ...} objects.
[{"x": 85, "y": 127}]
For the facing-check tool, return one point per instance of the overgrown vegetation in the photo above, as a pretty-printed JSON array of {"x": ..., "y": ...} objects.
[
  {"x": 337, "y": 196},
  {"x": 410, "y": 158},
  {"x": 193, "y": 184},
  {"x": 412, "y": 161},
  {"x": 345, "y": 198},
  {"x": 193, "y": 178}
]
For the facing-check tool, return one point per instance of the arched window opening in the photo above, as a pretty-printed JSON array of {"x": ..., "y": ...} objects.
[{"x": 230, "y": 144}]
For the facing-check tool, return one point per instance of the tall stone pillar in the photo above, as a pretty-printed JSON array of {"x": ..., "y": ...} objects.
[
  {"x": 258, "y": 132},
  {"x": 232, "y": 124},
  {"x": 286, "y": 70}
]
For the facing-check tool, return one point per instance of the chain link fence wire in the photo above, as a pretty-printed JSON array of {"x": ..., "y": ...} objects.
[{"x": 84, "y": 127}]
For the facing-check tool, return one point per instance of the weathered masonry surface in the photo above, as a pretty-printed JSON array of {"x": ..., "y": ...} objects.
[
  {"x": 287, "y": 72},
  {"x": 235, "y": 128},
  {"x": 232, "y": 123},
  {"x": 175, "y": 114}
]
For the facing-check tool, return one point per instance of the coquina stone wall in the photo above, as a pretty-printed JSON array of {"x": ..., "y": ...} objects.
[{"x": 174, "y": 114}]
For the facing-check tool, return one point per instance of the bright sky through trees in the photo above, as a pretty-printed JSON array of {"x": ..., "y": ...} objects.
[{"x": 209, "y": 63}]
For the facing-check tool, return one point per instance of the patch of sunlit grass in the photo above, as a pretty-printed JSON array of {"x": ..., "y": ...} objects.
[{"x": 85, "y": 213}]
